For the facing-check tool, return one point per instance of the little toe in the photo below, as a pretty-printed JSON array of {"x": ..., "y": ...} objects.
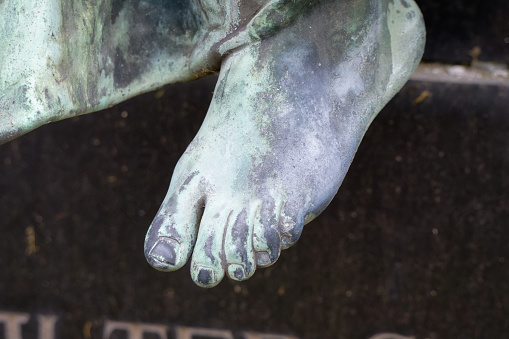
[
  {"x": 266, "y": 237},
  {"x": 171, "y": 236},
  {"x": 291, "y": 224},
  {"x": 208, "y": 256},
  {"x": 240, "y": 257}
]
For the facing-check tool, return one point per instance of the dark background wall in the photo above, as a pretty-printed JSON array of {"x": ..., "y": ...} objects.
[
  {"x": 455, "y": 27},
  {"x": 416, "y": 241}
]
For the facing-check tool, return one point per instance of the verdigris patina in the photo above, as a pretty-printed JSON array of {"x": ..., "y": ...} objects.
[{"x": 299, "y": 83}]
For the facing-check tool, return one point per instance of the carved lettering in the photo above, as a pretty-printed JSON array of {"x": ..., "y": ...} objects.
[
  {"x": 12, "y": 324},
  {"x": 47, "y": 326},
  {"x": 190, "y": 332},
  {"x": 253, "y": 335},
  {"x": 390, "y": 336},
  {"x": 134, "y": 330}
]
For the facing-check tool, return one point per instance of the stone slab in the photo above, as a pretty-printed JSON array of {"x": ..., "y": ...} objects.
[
  {"x": 415, "y": 243},
  {"x": 456, "y": 27}
]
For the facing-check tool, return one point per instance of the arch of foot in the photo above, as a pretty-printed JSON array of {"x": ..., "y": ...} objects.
[{"x": 286, "y": 118}]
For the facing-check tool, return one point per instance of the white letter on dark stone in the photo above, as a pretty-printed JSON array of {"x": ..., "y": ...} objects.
[
  {"x": 12, "y": 323},
  {"x": 189, "y": 332},
  {"x": 253, "y": 335},
  {"x": 47, "y": 326},
  {"x": 134, "y": 330}
]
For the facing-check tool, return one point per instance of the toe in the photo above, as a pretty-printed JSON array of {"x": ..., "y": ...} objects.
[
  {"x": 208, "y": 255},
  {"x": 172, "y": 234},
  {"x": 291, "y": 224},
  {"x": 240, "y": 257},
  {"x": 165, "y": 252},
  {"x": 266, "y": 238}
]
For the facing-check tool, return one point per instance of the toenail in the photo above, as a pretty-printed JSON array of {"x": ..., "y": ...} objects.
[
  {"x": 165, "y": 251},
  {"x": 236, "y": 271},
  {"x": 263, "y": 258},
  {"x": 206, "y": 276},
  {"x": 286, "y": 241}
]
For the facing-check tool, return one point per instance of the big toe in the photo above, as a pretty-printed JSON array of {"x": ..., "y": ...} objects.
[{"x": 171, "y": 236}]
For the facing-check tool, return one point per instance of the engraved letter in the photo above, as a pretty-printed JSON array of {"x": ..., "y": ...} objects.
[
  {"x": 190, "y": 332},
  {"x": 134, "y": 330},
  {"x": 47, "y": 326},
  {"x": 12, "y": 323},
  {"x": 389, "y": 336},
  {"x": 253, "y": 335}
]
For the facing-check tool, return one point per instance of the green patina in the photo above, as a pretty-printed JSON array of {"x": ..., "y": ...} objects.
[{"x": 299, "y": 84}]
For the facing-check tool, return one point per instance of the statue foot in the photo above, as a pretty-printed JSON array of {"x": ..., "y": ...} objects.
[
  {"x": 70, "y": 57},
  {"x": 284, "y": 124}
]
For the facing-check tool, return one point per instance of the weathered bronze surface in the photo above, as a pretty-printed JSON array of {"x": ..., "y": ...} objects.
[{"x": 299, "y": 84}]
